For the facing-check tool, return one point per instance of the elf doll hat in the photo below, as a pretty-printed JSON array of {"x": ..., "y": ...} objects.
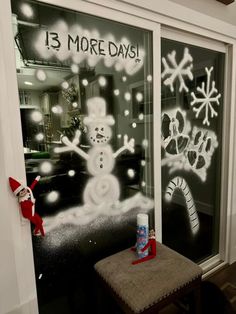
[{"x": 15, "y": 186}]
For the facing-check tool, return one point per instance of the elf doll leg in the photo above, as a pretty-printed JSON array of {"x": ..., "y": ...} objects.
[
  {"x": 38, "y": 221},
  {"x": 144, "y": 259}
]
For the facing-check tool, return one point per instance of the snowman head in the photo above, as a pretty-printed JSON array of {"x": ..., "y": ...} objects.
[
  {"x": 98, "y": 122},
  {"x": 99, "y": 133}
]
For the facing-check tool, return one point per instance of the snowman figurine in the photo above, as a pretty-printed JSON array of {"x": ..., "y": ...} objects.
[{"x": 103, "y": 187}]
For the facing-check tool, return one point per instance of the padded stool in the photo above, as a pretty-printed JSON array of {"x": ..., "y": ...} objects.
[{"x": 147, "y": 287}]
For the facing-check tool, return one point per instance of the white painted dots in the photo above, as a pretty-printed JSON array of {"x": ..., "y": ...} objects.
[
  {"x": 39, "y": 137},
  {"x": 71, "y": 173},
  {"x": 65, "y": 85},
  {"x": 27, "y": 10},
  {"x": 74, "y": 104},
  {"x": 102, "y": 81},
  {"x": 126, "y": 113},
  {"x": 127, "y": 96},
  {"x": 45, "y": 167},
  {"x": 139, "y": 97},
  {"x": 116, "y": 92},
  {"x": 74, "y": 68},
  {"x": 85, "y": 82},
  {"x": 124, "y": 78},
  {"x": 131, "y": 173},
  {"x": 143, "y": 163},
  {"x": 57, "y": 109},
  {"x": 145, "y": 143},
  {"x": 40, "y": 75},
  {"x": 149, "y": 78},
  {"x": 134, "y": 125},
  {"x": 141, "y": 116},
  {"x": 36, "y": 116},
  {"x": 52, "y": 197},
  {"x": 90, "y": 241}
]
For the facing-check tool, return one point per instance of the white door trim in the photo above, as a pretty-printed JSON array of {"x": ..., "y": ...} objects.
[{"x": 175, "y": 15}]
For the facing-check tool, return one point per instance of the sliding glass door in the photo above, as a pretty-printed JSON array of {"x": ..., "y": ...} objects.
[
  {"x": 86, "y": 104},
  {"x": 192, "y": 107}
]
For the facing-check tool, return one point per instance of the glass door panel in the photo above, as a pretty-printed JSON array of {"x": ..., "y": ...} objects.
[
  {"x": 192, "y": 95},
  {"x": 85, "y": 90}
]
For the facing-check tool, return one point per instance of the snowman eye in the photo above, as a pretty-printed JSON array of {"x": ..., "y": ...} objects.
[
  {"x": 102, "y": 129},
  {"x": 96, "y": 129}
]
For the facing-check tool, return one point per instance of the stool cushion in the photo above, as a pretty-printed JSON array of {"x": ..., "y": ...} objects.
[{"x": 143, "y": 285}]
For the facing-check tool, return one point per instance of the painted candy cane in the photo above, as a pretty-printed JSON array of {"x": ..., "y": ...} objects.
[{"x": 181, "y": 184}]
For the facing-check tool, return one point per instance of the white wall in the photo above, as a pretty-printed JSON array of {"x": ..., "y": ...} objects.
[
  {"x": 212, "y": 8},
  {"x": 17, "y": 282}
]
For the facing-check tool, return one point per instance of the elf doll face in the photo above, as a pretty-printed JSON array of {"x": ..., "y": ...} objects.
[
  {"x": 99, "y": 133},
  {"x": 152, "y": 234},
  {"x": 24, "y": 194}
]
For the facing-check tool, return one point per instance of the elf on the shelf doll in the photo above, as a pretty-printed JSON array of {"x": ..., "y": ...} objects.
[
  {"x": 152, "y": 252},
  {"x": 27, "y": 203}
]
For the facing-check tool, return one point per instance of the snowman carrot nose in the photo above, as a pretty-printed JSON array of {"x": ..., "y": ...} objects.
[{"x": 99, "y": 135}]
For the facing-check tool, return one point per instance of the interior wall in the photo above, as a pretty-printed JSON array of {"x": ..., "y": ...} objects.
[{"x": 226, "y": 13}]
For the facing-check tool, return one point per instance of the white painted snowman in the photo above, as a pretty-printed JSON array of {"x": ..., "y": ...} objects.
[{"x": 103, "y": 188}]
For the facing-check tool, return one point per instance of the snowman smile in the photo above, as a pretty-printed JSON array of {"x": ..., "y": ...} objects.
[{"x": 99, "y": 135}]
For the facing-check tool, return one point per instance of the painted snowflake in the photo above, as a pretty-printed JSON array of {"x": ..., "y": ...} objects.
[
  {"x": 175, "y": 70},
  {"x": 207, "y": 99}
]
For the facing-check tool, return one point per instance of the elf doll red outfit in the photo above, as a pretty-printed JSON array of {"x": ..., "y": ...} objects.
[
  {"x": 27, "y": 203},
  {"x": 153, "y": 250}
]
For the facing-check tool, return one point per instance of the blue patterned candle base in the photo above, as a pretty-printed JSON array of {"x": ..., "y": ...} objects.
[{"x": 142, "y": 234}]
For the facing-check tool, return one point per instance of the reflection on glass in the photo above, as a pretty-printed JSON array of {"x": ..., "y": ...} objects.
[
  {"x": 85, "y": 90},
  {"x": 192, "y": 109}
]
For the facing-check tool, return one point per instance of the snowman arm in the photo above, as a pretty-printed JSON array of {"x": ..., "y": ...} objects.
[
  {"x": 119, "y": 151},
  {"x": 62, "y": 149},
  {"x": 71, "y": 147},
  {"x": 79, "y": 151},
  {"x": 128, "y": 145}
]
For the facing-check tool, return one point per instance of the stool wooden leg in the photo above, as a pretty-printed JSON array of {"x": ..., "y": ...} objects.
[
  {"x": 104, "y": 302},
  {"x": 196, "y": 303}
]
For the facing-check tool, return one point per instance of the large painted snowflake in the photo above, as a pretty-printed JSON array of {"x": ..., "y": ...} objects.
[
  {"x": 177, "y": 70},
  {"x": 207, "y": 99}
]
